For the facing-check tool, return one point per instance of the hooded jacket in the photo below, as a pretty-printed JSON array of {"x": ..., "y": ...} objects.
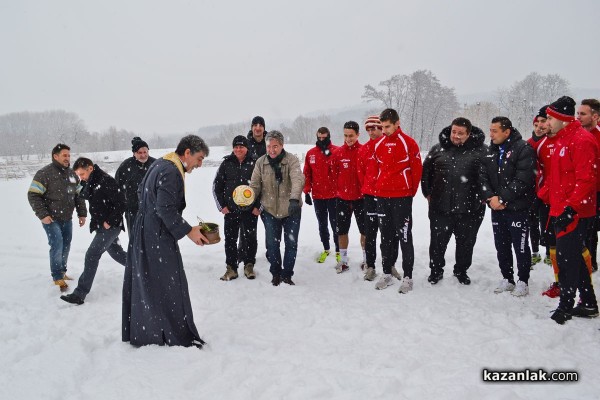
[
  {"x": 510, "y": 176},
  {"x": 451, "y": 174}
]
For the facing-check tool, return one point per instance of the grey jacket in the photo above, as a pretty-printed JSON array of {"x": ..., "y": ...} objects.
[
  {"x": 274, "y": 197},
  {"x": 53, "y": 192}
]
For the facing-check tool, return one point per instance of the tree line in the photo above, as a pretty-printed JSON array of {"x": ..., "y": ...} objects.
[{"x": 425, "y": 106}]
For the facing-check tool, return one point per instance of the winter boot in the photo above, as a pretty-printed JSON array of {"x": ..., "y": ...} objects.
[
  {"x": 435, "y": 276},
  {"x": 560, "y": 316},
  {"x": 370, "y": 274},
  {"x": 230, "y": 274},
  {"x": 323, "y": 256},
  {"x": 62, "y": 285},
  {"x": 463, "y": 278},
  {"x": 406, "y": 285},
  {"x": 521, "y": 289},
  {"x": 553, "y": 291},
  {"x": 276, "y": 280},
  {"x": 385, "y": 280},
  {"x": 504, "y": 286},
  {"x": 288, "y": 280},
  {"x": 249, "y": 271},
  {"x": 72, "y": 298}
]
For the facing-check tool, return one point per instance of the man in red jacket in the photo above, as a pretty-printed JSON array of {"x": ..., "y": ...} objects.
[
  {"x": 349, "y": 198},
  {"x": 317, "y": 174},
  {"x": 588, "y": 115},
  {"x": 572, "y": 187},
  {"x": 367, "y": 175},
  {"x": 399, "y": 173}
]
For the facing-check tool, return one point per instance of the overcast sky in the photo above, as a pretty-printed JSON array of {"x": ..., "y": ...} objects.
[{"x": 173, "y": 66}]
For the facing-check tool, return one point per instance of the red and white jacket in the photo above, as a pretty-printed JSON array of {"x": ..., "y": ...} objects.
[
  {"x": 367, "y": 167},
  {"x": 345, "y": 171},
  {"x": 399, "y": 165},
  {"x": 572, "y": 179},
  {"x": 317, "y": 173}
]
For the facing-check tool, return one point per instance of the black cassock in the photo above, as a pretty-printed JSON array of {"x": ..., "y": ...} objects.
[{"x": 156, "y": 301}]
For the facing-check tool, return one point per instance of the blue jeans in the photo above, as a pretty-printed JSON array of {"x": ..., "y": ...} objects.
[
  {"x": 59, "y": 239},
  {"x": 273, "y": 228},
  {"x": 105, "y": 240}
]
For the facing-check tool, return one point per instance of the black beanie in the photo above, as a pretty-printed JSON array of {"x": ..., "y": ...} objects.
[
  {"x": 258, "y": 120},
  {"x": 240, "y": 141},
  {"x": 563, "y": 109},
  {"x": 137, "y": 143},
  {"x": 542, "y": 112}
]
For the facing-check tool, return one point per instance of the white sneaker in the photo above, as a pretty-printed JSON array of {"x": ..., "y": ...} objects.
[
  {"x": 406, "y": 285},
  {"x": 521, "y": 289},
  {"x": 396, "y": 274},
  {"x": 384, "y": 281},
  {"x": 504, "y": 286},
  {"x": 370, "y": 274}
]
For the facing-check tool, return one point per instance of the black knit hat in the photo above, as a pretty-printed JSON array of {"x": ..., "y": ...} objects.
[
  {"x": 258, "y": 120},
  {"x": 240, "y": 141},
  {"x": 542, "y": 112},
  {"x": 562, "y": 109},
  {"x": 137, "y": 143}
]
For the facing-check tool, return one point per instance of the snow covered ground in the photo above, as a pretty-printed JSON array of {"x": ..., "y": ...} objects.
[{"x": 329, "y": 337}]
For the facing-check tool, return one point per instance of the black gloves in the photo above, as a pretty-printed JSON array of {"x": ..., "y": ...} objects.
[
  {"x": 307, "y": 199},
  {"x": 294, "y": 208},
  {"x": 563, "y": 220}
]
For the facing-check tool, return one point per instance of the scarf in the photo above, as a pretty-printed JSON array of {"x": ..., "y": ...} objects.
[
  {"x": 275, "y": 163},
  {"x": 324, "y": 146}
]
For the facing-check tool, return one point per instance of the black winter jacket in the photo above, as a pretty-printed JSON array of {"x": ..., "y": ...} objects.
[
  {"x": 128, "y": 176},
  {"x": 256, "y": 149},
  {"x": 451, "y": 174},
  {"x": 231, "y": 174},
  {"x": 514, "y": 178},
  {"x": 106, "y": 201}
]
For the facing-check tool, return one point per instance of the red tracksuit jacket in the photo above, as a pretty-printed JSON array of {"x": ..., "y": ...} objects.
[
  {"x": 367, "y": 167},
  {"x": 572, "y": 180},
  {"x": 399, "y": 165},
  {"x": 345, "y": 172},
  {"x": 544, "y": 151},
  {"x": 317, "y": 173}
]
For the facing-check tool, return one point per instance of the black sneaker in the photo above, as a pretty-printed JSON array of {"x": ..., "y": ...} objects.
[
  {"x": 288, "y": 280},
  {"x": 276, "y": 280},
  {"x": 560, "y": 316},
  {"x": 463, "y": 278},
  {"x": 435, "y": 277},
  {"x": 585, "y": 312},
  {"x": 72, "y": 298}
]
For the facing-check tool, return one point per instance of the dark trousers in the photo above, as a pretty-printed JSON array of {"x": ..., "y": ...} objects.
[
  {"x": 371, "y": 229},
  {"x": 443, "y": 226},
  {"x": 325, "y": 209},
  {"x": 572, "y": 271},
  {"x": 511, "y": 229},
  {"x": 240, "y": 225},
  {"x": 273, "y": 229},
  {"x": 534, "y": 226},
  {"x": 105, "y": 240},
  {"x": 547, "y": 228},
  {"x": 395, "y": 225}
]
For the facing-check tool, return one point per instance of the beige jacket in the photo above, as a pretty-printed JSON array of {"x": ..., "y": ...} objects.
[{"x": 275, "y": 198}]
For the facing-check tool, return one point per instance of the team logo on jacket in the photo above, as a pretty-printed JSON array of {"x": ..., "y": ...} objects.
[
  {"x": 312, "y": 159},
  {"x": 508, "y": 154},
  {"x": 562, "y": 152}
]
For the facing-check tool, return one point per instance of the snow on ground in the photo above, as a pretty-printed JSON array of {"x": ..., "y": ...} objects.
[{"x": 329, "y": 337}]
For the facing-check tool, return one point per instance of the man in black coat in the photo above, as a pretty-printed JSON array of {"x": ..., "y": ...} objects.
[
  {"x": 508, "y": 184},
  {"x": 129, "y": 175},
  {"x": 236, "y": 169},
  {"x": 156, "y": 300},
  {"x": 450, "y": 182},
  {"x": 106, "y": 206},
  {"x": 257, "y": 146}
]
